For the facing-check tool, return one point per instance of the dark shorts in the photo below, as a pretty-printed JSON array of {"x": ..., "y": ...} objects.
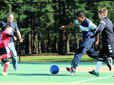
[
  {"x": 107, "y": 50},
  {"x": 111, "y": 50},
  {"x": 5, "y": 51}
]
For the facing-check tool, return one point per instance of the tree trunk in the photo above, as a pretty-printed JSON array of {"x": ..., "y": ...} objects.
[
  {"x": 36, "y": 43},
  {"x": 60, "y": 43},
  {"x": 29, "y": 43},
  {"x": 54, "y": 49},
  {"x": 68, "y": 46}
]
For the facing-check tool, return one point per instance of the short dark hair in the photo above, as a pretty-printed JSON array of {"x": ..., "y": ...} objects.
[
  {"x": 80, "y": 14},
  {"x": 8, "y": 25}
]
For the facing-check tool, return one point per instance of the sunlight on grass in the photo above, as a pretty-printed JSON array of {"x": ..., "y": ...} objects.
[{"x": 60, "y": 58}]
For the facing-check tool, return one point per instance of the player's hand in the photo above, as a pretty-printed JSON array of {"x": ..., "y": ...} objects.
[
  {"x": 62, "y": 27},
  {"x": 14, "y": 38},
  {"x": 21, "y": 40},
  {"x": 96, "y": 43}
]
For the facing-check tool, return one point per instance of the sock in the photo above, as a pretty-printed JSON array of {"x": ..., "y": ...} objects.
[
  {"x": 10, "y": 54},
  {"x": 3, "y": 56},
  {"x": 99, "y": 63},
  {"x": 5, "y": 67}
]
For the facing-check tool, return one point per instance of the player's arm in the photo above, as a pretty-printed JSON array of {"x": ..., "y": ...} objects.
[
  {"x": 97, "y": 40},
  {"x": 67, "y": 26},
  {"x": 97, "y": 37},
  {"x": 99, "y": 29},
  {"x": 94, "y": 28},
  {"x": 9, "y": 35},
  {"x": 19, "y": 35},
  {"x": 96, "y": 34}
]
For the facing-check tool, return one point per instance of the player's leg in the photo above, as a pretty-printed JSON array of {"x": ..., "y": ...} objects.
[
  {"x": 99, "y": 63},
  {"x": 76, "y": 59},
  {"x": 93, "y": 54},
  {"x": 86, "y": 45},
  {"x": 96, "y": 71},
  {"x": 110, "y": 53},
  {"x": 14, "y": 55},
  {"x": 4, "y": 53},
  {"x": 6, "y": 63},
  {"x": 104, "y": 56},
  {"x": 4, "y": 56}
]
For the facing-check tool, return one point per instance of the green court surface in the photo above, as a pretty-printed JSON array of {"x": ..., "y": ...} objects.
[{"x": 40, "y": 73}]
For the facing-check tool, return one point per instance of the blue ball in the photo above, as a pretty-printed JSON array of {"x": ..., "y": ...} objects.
[{"x": 54, "y": 69}]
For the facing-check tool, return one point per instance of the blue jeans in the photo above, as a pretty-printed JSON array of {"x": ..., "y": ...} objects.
[
  {"x": 85, "y": 47},
  {"x": 14, "y": 55}
]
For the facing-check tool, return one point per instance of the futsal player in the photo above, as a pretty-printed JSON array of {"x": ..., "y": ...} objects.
[
  {"x": 5, "y": 53},
  {"x": 87, "y": 27},
  {"x": 106, "y": 27}
]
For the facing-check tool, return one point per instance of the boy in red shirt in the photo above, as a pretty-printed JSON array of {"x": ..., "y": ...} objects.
[{"x": 4, "y": 50}]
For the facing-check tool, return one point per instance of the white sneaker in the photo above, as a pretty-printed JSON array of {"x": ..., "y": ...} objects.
[{"x": 4, "y": 74}]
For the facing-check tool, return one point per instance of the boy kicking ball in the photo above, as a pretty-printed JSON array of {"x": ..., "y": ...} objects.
[{"x": 5, "y": 53}]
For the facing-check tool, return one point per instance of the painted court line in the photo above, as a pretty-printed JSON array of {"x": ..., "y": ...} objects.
[{"x": 92, "y": 79}]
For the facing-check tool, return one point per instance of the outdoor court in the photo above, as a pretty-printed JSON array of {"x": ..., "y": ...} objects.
[{"x": 39, "y": 74}]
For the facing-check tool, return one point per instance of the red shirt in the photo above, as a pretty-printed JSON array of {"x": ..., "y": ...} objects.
[{"x": 4, "y": 40}]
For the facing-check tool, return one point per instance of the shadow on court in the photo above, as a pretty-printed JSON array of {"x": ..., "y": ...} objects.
[{"x": 37, "y": 74}]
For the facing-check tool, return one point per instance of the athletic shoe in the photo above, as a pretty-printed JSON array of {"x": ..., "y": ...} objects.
[
  {"x": 109, "y": 62},
  {"x": 70, "y": 70},
  {"x": 4, "y": 74},
  {"x": 94, "y": 73}
]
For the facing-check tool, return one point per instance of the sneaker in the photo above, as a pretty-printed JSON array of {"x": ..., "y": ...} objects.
[
  {"x": 109, "y": 63},
  {"x": 94, "y": 73},
  {"x": 4, "y": 74},
  {"x": 70, "y": 70}
]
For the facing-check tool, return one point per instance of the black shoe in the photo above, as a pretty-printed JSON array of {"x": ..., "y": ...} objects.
[
  {"x": 109, "y": 62},
  {"x": 94, "y": 73},
  {"x": 70, "y": 70}
]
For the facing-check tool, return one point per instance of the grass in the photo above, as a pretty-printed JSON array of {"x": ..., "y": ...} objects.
[{"x": 53, "y": 58}]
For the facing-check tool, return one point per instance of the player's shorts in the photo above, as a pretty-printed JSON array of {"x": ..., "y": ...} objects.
[
  {"x": 107, "y": 50},
  {"x": 5, "y": 51},
  {"x": 111, "y": 50}
]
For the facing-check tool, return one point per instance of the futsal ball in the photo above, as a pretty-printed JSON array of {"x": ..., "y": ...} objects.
[{"x": 54, "y": 69}]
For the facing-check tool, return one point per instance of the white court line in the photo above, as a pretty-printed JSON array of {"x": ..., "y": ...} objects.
[{"x": 92, "y": 79}]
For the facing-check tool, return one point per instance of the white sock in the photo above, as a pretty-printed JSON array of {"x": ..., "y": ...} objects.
[{"x": 99, "y": 63}]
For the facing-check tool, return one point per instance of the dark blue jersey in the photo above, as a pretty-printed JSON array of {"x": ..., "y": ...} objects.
[
  {"x": 86, "y": 27},
  {"x": 107, "y": 28}
]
